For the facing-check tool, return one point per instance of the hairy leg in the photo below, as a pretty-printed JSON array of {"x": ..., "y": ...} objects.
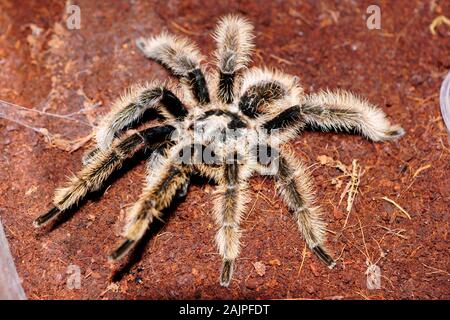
[
  {"x": 156, "y": 196},
  {"x": 293, "y": 183},
  {"x": 228, "y": 210},
  {"x": 266, "y": 91},
  {"x": 342, "y": 110},
  {"x": 131, "y": 107},
  {"x": 181, "y": 57},
  {"x": 93, "y": 175},
  {"x": 234, "y": 38},
  {"x": 285, "y": 125}
]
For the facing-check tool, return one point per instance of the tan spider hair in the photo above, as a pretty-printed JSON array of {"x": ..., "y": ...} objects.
[{"x": 205, "y": 126}]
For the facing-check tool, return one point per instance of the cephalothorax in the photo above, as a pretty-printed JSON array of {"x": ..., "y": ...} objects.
[{"x": 226, "y": 125}]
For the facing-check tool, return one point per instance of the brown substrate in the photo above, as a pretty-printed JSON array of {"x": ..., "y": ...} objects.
[{"x": 399, "y": 67}]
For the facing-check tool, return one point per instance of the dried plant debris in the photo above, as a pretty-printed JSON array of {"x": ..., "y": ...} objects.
[
  {"x": 28, "y": 118},
  {"x": 437, "y": 22},
  {"x": 397, "y": 206},
  {"x": 56, "y": 141},
  {"x": 260, "y": 268},
  {"x": 352, "y": 174}
]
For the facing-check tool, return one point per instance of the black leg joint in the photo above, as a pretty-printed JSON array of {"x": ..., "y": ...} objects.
[
  {"x": 155, "y": 135},
  {"x": 173, "y": 105},
  {"x": 198, "y": 85},
  {"x": 226, "y": 82},
  {"x": 288, "y": 118}
]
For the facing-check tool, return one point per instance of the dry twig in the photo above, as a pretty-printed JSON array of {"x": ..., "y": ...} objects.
[
  {"x": 398, "y": 206},
  {"x": 354, "y": 174},
  {"x": 437, "y": 22}
]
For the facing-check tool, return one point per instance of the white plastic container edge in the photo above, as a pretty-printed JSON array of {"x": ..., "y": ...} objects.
[
  {"x": 445, "y": 101},
  {"x": 10, "y": 287}
]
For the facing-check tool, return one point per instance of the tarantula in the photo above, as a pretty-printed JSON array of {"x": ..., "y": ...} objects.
[{"x": 207, "y": 120}]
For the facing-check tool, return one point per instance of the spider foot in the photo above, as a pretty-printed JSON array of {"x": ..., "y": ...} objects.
[
  {"x": 46, "y": 217},
  {"x": 395, "y": 133},
  {"x": 121, "y": 250},
  {"x": 324, "y": 256},
  {"x": 182, "y": 192},
  {"x": 227, "y": 272}
]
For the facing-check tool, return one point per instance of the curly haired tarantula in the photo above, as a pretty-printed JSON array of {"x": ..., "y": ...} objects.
[{"x": 208, "y": 120}]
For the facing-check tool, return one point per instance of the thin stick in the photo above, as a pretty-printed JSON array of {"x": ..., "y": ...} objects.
[
  {"x": 436, "y": 270},
  {"x": 281, "y": 60},
  {"x": 420, "y": 170},
  {"x": 398, "y": 206},
  {"x": 438, "y": 21},
  {"x": 184, "y": 30},
  {"x": 303, "y": 260},
  {"x": 364, "y": 241}
]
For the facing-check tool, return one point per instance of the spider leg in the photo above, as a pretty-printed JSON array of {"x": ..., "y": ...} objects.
[
  {"x": 234, "y": 38},
  {"x": 154, "y": 163},
  {"x": 156, "y": 196},
  {"x": 293, "y": 183},
  {"x": 93, "y": 175},
  {"x": 229, "y": 206},
  {"x": 265, "y": 91},
  {"x": 181, "y": 57},
  {"x": 130, "y": 108},
  {"x": 212, "y": 173},
  {"x": 341, "y": 110},
  {"x": 285, "y": 125},
  {"x": 184, "y": 189},
  {"x": 290, "y": 118}
]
